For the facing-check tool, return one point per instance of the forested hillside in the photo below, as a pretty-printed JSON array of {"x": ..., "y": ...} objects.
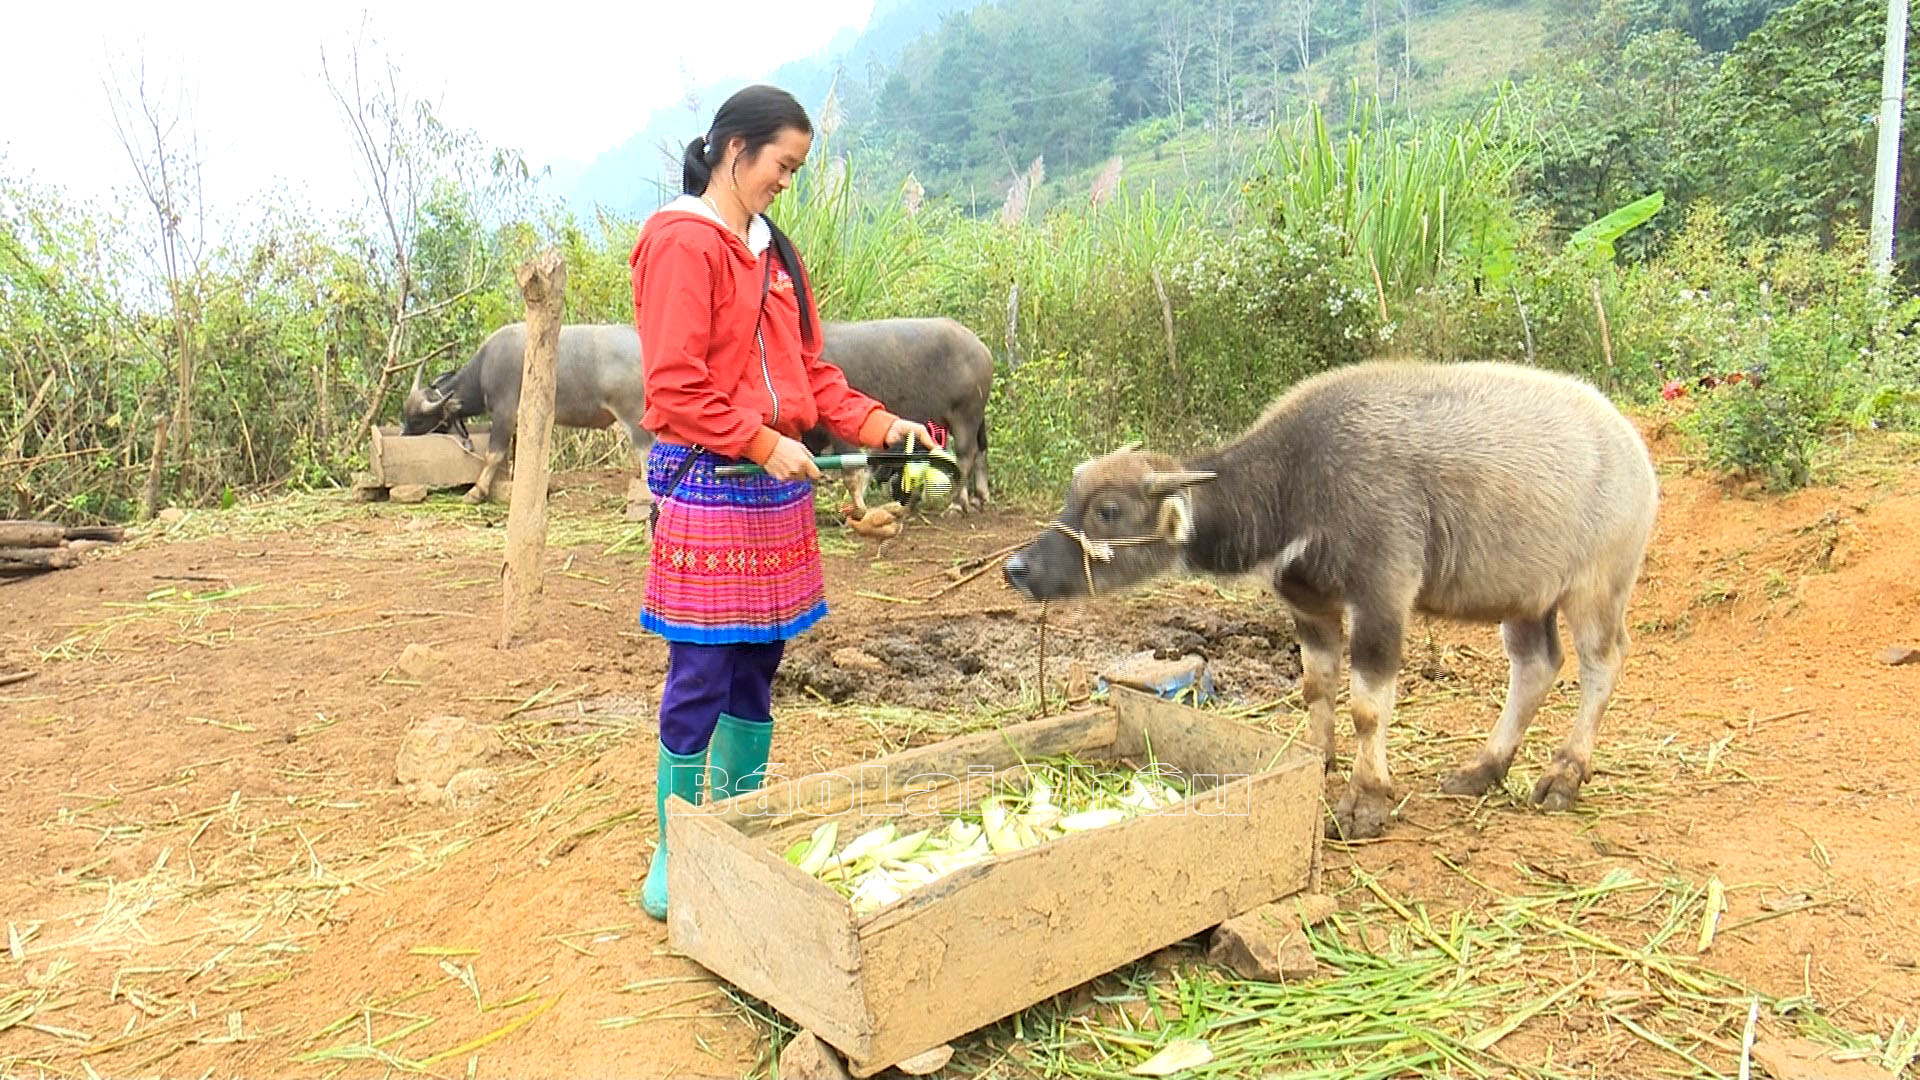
[
  {"x": 1613, "y": 85},
  {"x": 1623, "y": 97},
  {"x": 645, "y": 167}
]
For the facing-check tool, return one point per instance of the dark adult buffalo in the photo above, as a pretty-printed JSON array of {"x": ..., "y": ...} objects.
[
  {"x": 1474, "y": 491},
  {"x": 924, "y": 369},
  {"x": 597, "y": 381}
]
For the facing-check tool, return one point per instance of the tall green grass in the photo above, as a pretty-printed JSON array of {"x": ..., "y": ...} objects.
[
  {"x": 1407, "y": 197},
  {"x": 856, "y": 250}
]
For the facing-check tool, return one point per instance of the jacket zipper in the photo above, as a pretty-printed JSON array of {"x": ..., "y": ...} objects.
[
  {"x": 768, "y": 376},
  {"x": 766, "y": 373}
]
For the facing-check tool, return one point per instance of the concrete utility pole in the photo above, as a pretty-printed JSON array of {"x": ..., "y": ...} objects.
[{"x": 1893, "y": 83}]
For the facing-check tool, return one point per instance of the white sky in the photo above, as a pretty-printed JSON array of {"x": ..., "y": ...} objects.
[{"x": 263, "y": 114}]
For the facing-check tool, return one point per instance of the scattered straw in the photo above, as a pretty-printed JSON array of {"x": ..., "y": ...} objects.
[
  {"x": 1419, "y": 923},
  {"x": 655, "y": 1013},
  {"x": 184, "y": 611},
  {"x": 386, "y": 1047},
  {"x": 495, "y": 1035},
  {"x": 1421, "y": 997}
]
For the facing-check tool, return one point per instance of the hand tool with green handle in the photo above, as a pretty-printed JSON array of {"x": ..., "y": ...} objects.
[{"x": 915, "y": 484}]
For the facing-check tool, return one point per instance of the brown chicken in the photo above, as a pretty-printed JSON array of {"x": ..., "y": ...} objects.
[{"x": 880, "y": 523}]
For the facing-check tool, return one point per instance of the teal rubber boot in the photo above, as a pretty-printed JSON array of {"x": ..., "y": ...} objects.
[
  {"x": 738, "y": 756},
  {"x": 678, "y": 774}
]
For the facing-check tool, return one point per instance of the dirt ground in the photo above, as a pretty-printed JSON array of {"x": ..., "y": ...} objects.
[{"x": 211, "y": 866}]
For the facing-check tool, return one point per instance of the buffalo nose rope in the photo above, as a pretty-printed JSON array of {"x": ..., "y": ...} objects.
[
  {"x": 1090, "y": 550},
  {"x": 1101, "y": 550}
]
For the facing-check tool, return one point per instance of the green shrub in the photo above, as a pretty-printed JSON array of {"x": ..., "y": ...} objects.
[{"x": 1766, "y": 430}]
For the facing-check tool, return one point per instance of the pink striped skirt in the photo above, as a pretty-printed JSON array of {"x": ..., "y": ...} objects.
[{"x": 735, "y": 559}]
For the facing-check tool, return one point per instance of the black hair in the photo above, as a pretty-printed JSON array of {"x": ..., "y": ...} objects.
[{"x": 756, "y": 114}]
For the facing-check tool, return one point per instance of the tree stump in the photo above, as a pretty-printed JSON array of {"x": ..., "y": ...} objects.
[{"x": 543, "y": 282}]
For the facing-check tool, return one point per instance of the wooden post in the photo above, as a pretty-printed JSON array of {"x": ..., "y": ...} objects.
[
  {"x": 543, "y": 283},
  {"x": 150, "y": 495}
]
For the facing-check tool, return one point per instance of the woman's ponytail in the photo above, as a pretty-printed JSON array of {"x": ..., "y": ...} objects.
[
  {"x": 695, "y": 170},
  {"x": 784, "y": 248}
]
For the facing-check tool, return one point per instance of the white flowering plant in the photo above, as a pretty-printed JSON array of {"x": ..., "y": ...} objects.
[{"x": 1297, "y": 303}]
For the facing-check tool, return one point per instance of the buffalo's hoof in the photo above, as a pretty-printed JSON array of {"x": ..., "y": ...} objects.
[
  {"x": 1559, "y": 786},
  {"x": 1476, "y": 779},
  {"x": 1360, "y": 815}
]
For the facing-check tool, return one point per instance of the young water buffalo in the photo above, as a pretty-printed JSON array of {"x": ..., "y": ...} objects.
[{"x": 1474, "y": 491}]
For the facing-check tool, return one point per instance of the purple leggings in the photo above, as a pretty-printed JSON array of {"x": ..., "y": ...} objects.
[{"x": 704, "y": 681}]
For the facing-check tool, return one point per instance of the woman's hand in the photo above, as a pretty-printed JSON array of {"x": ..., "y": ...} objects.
[
  {"x": 897, "y": 434},
  {"x": 791, "y": 461}
]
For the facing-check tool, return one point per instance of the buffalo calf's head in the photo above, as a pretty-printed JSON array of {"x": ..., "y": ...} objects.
[{"x": 1127, "y": 517}]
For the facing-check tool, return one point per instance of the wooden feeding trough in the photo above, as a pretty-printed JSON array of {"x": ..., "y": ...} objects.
[
  {"x": 429, "y": 461},
  {"x": 996, "y": 937}
]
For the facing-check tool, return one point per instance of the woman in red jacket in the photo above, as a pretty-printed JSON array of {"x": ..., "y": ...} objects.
[{"x": 730, "y": 340}]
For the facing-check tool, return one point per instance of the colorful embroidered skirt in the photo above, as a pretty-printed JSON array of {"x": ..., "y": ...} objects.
[{"x": 735, "y": 559}]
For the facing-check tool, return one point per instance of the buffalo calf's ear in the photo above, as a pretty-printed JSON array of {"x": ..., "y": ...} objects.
[
  {"x": 1166, "y": 483},
  {"x": 1176, "y": 519}
]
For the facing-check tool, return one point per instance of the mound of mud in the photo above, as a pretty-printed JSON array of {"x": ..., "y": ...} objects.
[{"x": 973, "y": 661}]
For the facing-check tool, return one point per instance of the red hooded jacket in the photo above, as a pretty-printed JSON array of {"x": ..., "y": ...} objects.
[{"x": 696, "y": 293}]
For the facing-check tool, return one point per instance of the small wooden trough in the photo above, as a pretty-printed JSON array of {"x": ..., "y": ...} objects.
[
  {"x": 430, "y": 461},
  {"x": 991, "y": 939}
]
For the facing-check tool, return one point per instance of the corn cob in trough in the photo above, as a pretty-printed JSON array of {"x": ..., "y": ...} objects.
[{"x": 883, "y": 865}]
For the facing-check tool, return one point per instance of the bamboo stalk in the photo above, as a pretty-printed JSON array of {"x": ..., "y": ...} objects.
[{"x": 1606, "y": 333}]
